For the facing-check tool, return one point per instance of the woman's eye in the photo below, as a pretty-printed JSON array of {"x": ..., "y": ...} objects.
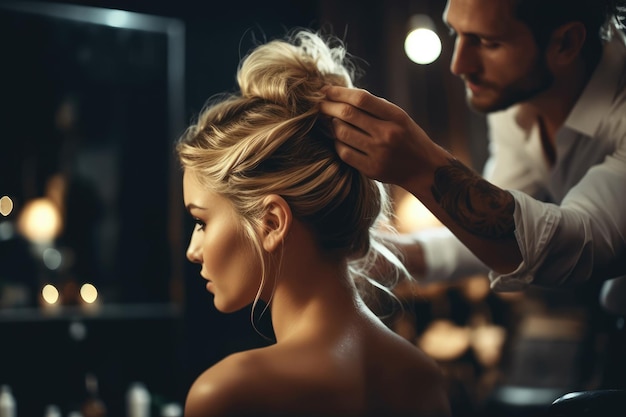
[{"x": 199, "y": 224}]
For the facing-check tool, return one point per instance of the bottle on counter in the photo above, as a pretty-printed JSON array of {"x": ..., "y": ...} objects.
[
  {"x": 138, "y": 400},
  {"x": 8, "y": 407},
  {"x": 52, "y": 411},
  {"x": 92, "y": 406},
  {"x": 172, "y": 410}
]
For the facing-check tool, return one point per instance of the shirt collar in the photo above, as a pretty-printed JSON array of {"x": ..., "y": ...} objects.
[{"x": 597, "y": 97}]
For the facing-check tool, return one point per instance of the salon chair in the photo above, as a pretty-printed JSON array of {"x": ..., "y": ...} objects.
[
  {"x": 603, "y": 402},
  {"x": 527, "y": 393},
  {"x": 594, "y": 403}
]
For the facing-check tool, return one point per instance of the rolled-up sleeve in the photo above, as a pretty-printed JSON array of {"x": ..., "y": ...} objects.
[
  {"x": 446, "y": 258},
  {"x": 581, "y": 238}
]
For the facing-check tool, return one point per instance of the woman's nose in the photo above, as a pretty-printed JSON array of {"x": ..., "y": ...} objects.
[{"x": 193, "y": 252}]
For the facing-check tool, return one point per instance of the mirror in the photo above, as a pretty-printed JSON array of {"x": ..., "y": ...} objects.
[{"x": 92, "y": 102}]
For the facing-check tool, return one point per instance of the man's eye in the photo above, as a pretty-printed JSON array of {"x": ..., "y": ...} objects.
[{"x": 489, "y": 44}]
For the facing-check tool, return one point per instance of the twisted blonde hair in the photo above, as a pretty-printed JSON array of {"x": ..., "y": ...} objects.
[{"x": 270, "y": 138}]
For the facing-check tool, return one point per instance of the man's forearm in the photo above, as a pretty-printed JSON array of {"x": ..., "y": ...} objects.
[
  {"x": 473, "y": 203},
  {"x": 477, "y": 212}
]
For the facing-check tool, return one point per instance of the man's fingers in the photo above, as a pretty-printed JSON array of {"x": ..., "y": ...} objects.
[
  {"x": 363, "y": 100},
  {"x": 352, "y": 136},
  {"x": 346, "y": 113},
  {"x": 353, "y": 157}
]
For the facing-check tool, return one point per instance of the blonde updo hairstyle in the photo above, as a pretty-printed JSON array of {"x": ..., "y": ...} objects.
[{"x": 270, "y": 138}]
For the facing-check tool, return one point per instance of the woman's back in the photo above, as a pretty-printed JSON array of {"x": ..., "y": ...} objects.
[{"x": 349, "y": 366}]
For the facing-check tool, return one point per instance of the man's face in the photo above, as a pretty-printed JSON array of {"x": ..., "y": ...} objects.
[{"x": 494, "y": 54}]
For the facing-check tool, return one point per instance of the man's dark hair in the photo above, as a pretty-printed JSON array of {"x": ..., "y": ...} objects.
[{"x": 544, "y": 16}]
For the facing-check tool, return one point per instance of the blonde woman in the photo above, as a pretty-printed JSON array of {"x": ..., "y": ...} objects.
[{"x": 281, "y": 219}]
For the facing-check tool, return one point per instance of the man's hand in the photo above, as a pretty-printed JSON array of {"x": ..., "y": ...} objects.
[
  {"x": 380, "y": 139},
  {"x": 377, "y": 137}
]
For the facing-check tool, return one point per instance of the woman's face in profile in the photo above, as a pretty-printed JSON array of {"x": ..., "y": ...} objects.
[{"x": 229, "y": 263}]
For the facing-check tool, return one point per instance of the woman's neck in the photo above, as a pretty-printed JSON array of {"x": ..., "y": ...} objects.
[{"x": 311, "y": 297}]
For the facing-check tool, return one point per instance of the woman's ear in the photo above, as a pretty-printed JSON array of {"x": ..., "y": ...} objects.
[
  {"x": 566, "y": 44},
  {"x": 277, "y": 219}
]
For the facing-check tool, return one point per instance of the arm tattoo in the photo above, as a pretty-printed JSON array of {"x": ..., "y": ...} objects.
[{"x": 476, "y": 205}]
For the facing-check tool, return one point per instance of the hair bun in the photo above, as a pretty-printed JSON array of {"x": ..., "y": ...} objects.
[{"x": 293, "y": 72}]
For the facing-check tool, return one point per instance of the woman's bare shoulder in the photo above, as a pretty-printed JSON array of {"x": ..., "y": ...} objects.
[
  {"x": 408, "y": 379},
  {"x": 245, "y": 383},
  {"x": 226, "y": 388},
  {"x": 392, "y": 375}
]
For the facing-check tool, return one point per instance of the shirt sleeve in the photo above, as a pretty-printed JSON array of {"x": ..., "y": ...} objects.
[
  {"x": 509, "y": 166},
  {"x": 583, "y": 237},
  {"x": 447, "y": 259}
]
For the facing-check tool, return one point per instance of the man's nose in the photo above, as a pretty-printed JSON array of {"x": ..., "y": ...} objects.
[{"x": 464, "y": 58}]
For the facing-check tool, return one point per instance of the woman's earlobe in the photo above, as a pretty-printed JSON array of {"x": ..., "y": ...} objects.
[{"x": 276, "y": 222}]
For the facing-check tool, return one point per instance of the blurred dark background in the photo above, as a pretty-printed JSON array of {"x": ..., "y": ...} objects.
[{"x": 90, "y": 110}]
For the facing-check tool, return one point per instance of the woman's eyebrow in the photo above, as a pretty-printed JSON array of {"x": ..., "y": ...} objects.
[{"x": 192, "y": 206}]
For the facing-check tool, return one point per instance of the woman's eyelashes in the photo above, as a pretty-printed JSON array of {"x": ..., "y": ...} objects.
[{"x": 199, "y": 224}]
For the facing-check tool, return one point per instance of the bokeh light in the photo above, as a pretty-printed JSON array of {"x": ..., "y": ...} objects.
[
  {"x": 50, "y": 294},
  {"x": 77, "y": 331},
  {"x": 52, "y": 258},
  {"x": 6, "y": 205},
  {"x": 422, "y": 44},
  {"x": 88, "y": 293},
  {"x": 7, "y": 230},
  {"x": 40, "y": 220}
]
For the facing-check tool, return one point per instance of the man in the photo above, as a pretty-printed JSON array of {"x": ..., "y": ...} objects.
[{"x": 550, "y": 209}]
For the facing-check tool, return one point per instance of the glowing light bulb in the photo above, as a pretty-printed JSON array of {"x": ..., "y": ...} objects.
[{"x": 422, "y": 46}]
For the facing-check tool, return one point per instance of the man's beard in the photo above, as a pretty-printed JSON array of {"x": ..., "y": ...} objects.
[{"x": 537, "y": 80}]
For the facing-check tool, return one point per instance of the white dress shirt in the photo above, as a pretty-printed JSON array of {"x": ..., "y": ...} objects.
[{"x": 570, "y": 218}]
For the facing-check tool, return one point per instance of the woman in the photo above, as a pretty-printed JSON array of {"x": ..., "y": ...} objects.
[{"x": 280, "y": 219}]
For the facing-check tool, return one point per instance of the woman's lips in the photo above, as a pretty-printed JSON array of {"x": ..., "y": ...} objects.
[{"x": 209, "y": 284}]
